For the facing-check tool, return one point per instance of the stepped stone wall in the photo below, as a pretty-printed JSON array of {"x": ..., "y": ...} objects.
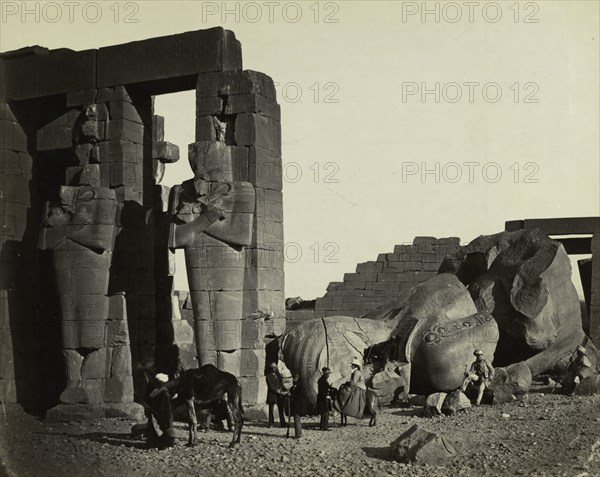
[{"x": 377, "y": 282}]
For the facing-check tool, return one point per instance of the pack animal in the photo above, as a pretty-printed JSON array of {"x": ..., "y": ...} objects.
[
  {"x": 206, "y": 385},
  {"x": 371, "y": 403}
]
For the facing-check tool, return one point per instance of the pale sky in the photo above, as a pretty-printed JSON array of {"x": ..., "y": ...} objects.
[{"x": 352, "y": 110}]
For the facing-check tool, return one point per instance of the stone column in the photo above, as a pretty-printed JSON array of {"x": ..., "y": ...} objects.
[
  {"x": 16, "y": 324},
  {"x": 100, "y": 139},
  {"x": 235, "y": 265}
]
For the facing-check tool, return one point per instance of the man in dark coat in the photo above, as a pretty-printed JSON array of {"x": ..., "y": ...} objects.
[
  {"x": 160, "y": 432},
  {"x": 297, "y": 403},
  {"x": 275, "y": 395},
  {"x": 324, "y": 399}
]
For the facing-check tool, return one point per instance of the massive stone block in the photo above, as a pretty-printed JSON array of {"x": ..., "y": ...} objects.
[
  {"x": 169, "y": 61},
  {"x": 332, "y": 341},
  {"x": 48, "y": 73}
]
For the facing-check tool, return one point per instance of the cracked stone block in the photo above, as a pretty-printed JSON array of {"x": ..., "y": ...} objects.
[
  {"x": 165, "y": 152},
  {"x": 118, "y": 389},
  {"x": 94, "y": 364},
  {"x": 121, "y": 362}
]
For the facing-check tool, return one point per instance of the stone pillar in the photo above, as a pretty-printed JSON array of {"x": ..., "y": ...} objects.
[
  {"x": 100, "y": 139},
  {"x": 16, "y": 324},
  {"x": 235, "y": 259}
]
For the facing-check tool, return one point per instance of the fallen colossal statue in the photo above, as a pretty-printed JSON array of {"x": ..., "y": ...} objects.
[{"x": 508, "y": 294}]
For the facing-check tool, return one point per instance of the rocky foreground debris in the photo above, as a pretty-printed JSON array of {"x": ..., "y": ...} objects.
[{"x": 543, "y": 435}]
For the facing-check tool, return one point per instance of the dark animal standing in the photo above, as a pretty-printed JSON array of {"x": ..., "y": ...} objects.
[
  {"x": 208, "y": 384},
  {"x": 349, "y": 392}
]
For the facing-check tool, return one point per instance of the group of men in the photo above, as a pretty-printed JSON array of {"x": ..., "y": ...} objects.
[
  {"x": 291, "y": 399},
  {"x": 481, "y": 373},
  {"x": 294, "y": 400}
]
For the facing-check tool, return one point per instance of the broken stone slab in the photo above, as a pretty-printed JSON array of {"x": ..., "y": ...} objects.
[
  {"x": 165, "y": 152},
  {"x": 95, "y": 364},
  {"x": 455, "y": 401},
  {"x": 83, "y": 412},
  {"x": 510, "y": 382},
  {"x": 433, "y": 404},
  {"x": 588, "y": 386},
  {"x": 423, "y": 447}
]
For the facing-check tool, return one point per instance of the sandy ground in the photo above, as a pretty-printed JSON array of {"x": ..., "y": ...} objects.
[{"x": 539, "y": 435}]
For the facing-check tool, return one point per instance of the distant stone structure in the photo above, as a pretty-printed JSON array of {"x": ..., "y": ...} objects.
[
  {"x": 88, "y": 232},
  {"x": 379, "y": 282}
]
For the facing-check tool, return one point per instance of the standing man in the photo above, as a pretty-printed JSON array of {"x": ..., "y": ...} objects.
[
  {"x": 297, "y": 405},
  {"x": 480, "y": 374},
  {"x": 275, "y": 395},
  {"x": 324, "y": 398}
]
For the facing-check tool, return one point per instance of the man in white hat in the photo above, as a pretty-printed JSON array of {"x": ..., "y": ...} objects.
[
  {"x": 356, "y": 376},
  {"x": 480, "y": 374}
]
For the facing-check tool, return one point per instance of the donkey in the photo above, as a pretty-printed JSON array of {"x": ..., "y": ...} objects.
[
  {"x": 208, "y": 384},
  {"x": 347, "y": 392}
]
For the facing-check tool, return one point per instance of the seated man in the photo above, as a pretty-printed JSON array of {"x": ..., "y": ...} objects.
[
  {"x": 480, "y": 374},
  {"x": 157, "y": 405}
]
